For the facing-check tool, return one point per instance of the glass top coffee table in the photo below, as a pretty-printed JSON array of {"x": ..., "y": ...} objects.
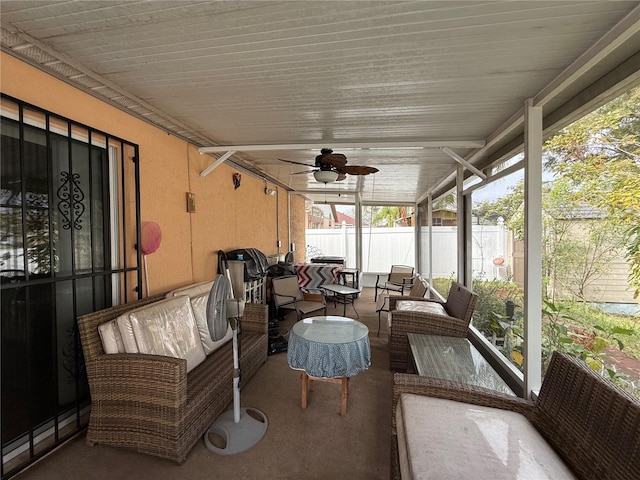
[
  {"x": 452, "y": 358},
  {"x": 342, "y": 294},
  {"x": 329, "y": 349}
]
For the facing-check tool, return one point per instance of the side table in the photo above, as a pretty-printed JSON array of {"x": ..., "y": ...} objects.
[{"x": 328, "y": 349}]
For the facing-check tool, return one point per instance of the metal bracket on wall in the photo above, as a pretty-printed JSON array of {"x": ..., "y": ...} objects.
[{"x": 216, "y": 164}]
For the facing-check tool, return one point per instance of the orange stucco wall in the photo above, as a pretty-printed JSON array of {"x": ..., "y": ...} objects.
[{"x": 225, "y": 218}]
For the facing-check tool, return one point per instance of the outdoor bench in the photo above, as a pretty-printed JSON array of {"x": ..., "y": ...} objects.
[
  {"x": 580, "y": 426},
  {"x": 157, "y": 404}
]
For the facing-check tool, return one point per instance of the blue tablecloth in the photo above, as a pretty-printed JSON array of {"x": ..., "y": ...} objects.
[{"x": 329, "y": 347}]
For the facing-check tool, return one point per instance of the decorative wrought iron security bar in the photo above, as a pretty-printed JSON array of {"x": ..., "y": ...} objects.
[{"x": 70, "y": 223}]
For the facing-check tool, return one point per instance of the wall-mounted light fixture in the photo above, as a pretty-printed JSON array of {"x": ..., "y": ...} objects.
[{"x": 267, "y": 190}]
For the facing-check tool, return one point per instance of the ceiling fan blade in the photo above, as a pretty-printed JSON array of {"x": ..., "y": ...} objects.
[
  {"x": 358, "y": 170},
  {"x": 295, "y": 163},
  {"x": 341, "y": 176},
  {"x": 337, "y": 160}
]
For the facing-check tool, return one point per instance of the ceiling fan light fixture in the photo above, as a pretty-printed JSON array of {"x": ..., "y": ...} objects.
[{"x": 325, "y": 176}]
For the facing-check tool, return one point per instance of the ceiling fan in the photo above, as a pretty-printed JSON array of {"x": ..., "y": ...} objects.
[{"x": 332, "y": 167}]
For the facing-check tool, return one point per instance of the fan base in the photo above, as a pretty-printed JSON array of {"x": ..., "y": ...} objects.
[{"x": 226, "y": 437}]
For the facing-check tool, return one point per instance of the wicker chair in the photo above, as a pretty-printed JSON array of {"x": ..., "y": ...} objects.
[
  {"x": 287, "y": 295},
  {"x": 429, "y": 317},
  {"x": 417, "y": 292},
  {"x": 399, "y": 279}
]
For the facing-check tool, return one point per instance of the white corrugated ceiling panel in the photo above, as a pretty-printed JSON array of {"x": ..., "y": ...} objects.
[{"x": 238, "y": 73}]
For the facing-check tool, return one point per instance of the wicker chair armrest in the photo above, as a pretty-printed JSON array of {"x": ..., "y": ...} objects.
[
  {"x": 404, "y": 322},
  {"x": 459, "y": 392},
  {"x": 136, "y": 378},
  {"x": 255, "y": 318}
]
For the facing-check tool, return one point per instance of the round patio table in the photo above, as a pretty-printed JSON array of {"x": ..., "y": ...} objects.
[{"x": 329, "y": 349}]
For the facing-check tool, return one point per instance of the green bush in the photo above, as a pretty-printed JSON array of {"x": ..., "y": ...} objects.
[{"x": 492, "y": 299}]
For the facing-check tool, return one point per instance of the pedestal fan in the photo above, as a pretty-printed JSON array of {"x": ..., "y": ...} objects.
[{"x": 239, "y": 429}]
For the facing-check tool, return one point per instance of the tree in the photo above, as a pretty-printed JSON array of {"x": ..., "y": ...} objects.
[
  {"x": 390, "y": 217},
  {"x": 578, "y": 241},
  {"x": 505, "y": 207},
  {"x": 600, "y": 154},
  {"x": 598, "y": 160}
]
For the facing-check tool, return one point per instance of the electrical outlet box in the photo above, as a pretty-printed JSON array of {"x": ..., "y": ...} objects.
[
  {"x": 293, "y": 247},
  {"x": 279, "y": 243},
  {"x": 191, "y": 202}
]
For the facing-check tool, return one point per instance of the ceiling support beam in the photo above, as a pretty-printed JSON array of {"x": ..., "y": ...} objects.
[
  {"x": 337, "y": 144},
  {"x": 463, "y": 162},
  {"x": 216, "y": 164}
]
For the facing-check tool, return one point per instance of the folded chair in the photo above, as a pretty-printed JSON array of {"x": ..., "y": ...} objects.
[
  {"x": 398, "y": 279},
  {"x": 417, "y": 292},
  {"x": 287, "y": 295}
]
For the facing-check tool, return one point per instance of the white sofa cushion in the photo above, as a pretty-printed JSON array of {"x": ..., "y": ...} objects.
[
  {"x": 168, "y": 328},
  {"x": 445, "y": 439},
  {"x": 111, "y": 338},
  {"x": 419, "y": 306},
  {"x": 191, "y": 290},
  {"x": 126, "y": 333},
  {"x": 199, "y": 305}
]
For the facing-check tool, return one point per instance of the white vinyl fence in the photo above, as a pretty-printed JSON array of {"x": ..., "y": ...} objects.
[{"x": 383, "y": 247}]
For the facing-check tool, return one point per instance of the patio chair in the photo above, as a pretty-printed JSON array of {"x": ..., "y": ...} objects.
[
  {"x": 287, "y": 295},
  {"x": 398, "y": 279},
  {"x": 417, "y": 292},
  {"x": 428, "y": 317}
]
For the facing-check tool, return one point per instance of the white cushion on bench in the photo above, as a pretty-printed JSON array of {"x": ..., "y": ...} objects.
[
  {"x": 191, "y": 290},
  {"x": 418, "y": 306},
  {"x": 168, "y": 328},
  {"x": 445, "y": 439}
]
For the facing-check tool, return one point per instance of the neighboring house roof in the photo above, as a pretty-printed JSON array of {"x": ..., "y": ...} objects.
[
  {"x": 445, "y": 209},
  {"x": 341, "y": 217}
]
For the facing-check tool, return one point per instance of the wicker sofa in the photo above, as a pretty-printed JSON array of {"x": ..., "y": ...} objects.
[
  {"x": 580, "y": 426},
  {"x": 149, "y": 403},
  {"x": 409, "y": 314}
]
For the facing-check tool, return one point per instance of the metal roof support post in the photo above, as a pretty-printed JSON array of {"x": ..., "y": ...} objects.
[
  {"x": 430, "y": 235},
  {"x": 289, "y": 239},
  {"x": 358, "y": 205},
  {"x": 467, "y": 254},
  {"x": 461, "y": 222},
  {"x": 416, "y": 240},
  {"x": 533, "y": 249}
]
